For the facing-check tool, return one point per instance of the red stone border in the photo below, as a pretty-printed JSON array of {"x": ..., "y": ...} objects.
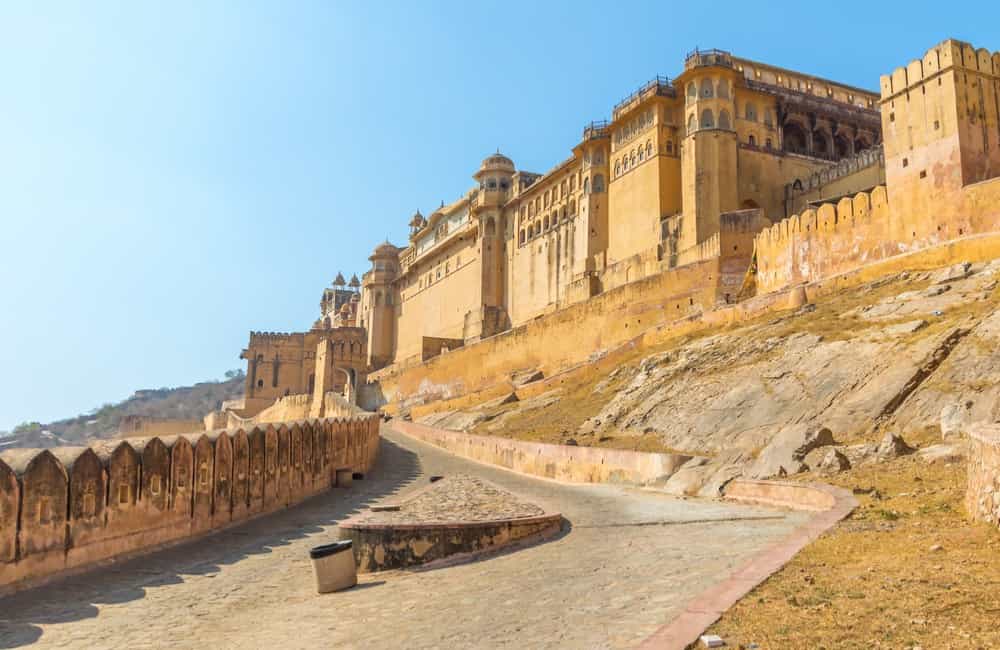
[{"x": 707, "y": 607}]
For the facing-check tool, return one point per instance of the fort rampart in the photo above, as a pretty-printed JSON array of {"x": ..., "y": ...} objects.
[
  {"x": 69, "y": 507},
  {"x": 558, "y": 340}
]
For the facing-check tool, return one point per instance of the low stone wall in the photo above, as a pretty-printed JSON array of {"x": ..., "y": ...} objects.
[
  {"x": 379, "y": 547},
  {"x": 982, "y": 495},
  {"x": 785, "y": 494},
  {"x": 560, "y": 462},
  {"x": 68, "y": 507}
]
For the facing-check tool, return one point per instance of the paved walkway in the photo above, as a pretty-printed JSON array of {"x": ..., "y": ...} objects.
[{"x": 627, "y": 563}]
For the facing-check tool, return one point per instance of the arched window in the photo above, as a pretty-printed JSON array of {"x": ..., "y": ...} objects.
[
  {"x": 618, "y": 168},
  {"x": 598, "y": 183},
  {"x": 378, "y": 298},
  {"x": 692, "y": 92},
  {"x": 520, "y": 236},
  {"x": 724, "y": 89},
  {"x": 692, "y": 125},
  {"x": 670, "y": 146},
  {"x": 706, "y": 88},
  {"x": 572, "y": 207},
  {"x": 724, "y": 119},
  {"x": 642, "y": 154},
  {"x": 572, "y": 183},
  {"x": 752, "y": 141},
  {"x": 767, "y": 117},
  {"x": 649, "y": 149},
  {"x": 631, "y": 160},
  {"x": 767, "y": 145},
  {"x": 751, "y": 112},
  {"x": 707, "y": 119},
  {"x": 586, "y": 185}
]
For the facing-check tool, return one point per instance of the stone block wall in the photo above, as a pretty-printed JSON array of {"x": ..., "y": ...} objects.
[
  {"x": 69, "y": 507},
  {"x": 982, "y": 496}
]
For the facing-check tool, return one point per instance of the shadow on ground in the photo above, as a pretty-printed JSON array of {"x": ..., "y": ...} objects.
[{"x": 75, "y": 598}]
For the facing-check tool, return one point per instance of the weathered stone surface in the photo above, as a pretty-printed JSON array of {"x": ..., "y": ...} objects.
[
  {"x": 906, "y": 328},
  {"x": 954, "y": 420},
  {"x": 892, "y": 446},
  {"x": 944, "y": 453},
  {"x": 952, "y": 273},
  {"x": 827, "y": 460},
  {"x": 785, "y": 454},
  {"x": 526, "y": 377}
]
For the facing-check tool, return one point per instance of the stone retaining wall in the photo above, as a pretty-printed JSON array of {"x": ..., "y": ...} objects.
[
  {"x": 982, "y": 495},
  {"x": 560, "y": 462},
  {"x": 69, "y": 507}
]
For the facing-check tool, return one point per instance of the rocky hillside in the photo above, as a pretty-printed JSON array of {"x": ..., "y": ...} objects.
[
  {"x": 898, "y": 357},
  {"x": 184, "y": 402}
]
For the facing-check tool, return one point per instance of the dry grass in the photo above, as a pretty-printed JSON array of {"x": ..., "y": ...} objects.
[{"x": 877, "y": 580}]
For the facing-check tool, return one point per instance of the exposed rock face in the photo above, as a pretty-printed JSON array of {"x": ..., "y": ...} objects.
[
  {"x": 954, "y": 419},
  {"x": 922, "y": 354},
  {"x": 892, "y": 446},
  {"x": 787, "y": 451}
]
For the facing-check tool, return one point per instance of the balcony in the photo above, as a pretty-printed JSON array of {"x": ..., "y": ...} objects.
[
  {"x": 697, "y": 58},
  {"x": 595, "y": 130}
]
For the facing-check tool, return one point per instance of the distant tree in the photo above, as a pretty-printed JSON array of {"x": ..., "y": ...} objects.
[
  {"x": 27, "y": 427},
  {"x": 235, "y": 374}
]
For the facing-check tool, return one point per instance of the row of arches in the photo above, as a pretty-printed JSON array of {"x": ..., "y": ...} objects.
[
  {"x": 709, "y": 120},
  {"x": 708, "y": 88},
  {"x": 64, "y": 500},
  {"x": 546, "y": 223}
]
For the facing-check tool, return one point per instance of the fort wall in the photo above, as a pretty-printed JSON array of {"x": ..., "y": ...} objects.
[
  {"x": 941, "y": 123},
  {"x": 132, "y": 426},
  {"x": 69, "y": 507},
  {"x": 558, "y": 340}
]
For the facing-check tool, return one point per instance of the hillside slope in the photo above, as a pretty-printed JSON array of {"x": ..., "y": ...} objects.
[
  {"x": 889, "y": 356},
  {"x": 184, "y": 402}
]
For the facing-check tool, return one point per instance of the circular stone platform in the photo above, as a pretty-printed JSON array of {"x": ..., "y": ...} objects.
[{"x": 456, "y": 515}]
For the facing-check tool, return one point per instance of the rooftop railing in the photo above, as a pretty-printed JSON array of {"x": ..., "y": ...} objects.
[
  {"x": 660, "y": 85},
  {"x": 698, "y": 57},
  {"x": 596, "y": 129}
]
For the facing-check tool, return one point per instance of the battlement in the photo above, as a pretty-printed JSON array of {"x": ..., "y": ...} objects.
[
  {"x": 260, "y": 337},
  {"x": 73, "y": 506},
  {"x": 948, "y": 54}
]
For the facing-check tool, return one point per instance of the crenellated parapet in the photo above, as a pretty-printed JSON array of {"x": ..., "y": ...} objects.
[
  {"x": 825, "y": 241},
  {"x": 69, "y": 507}
]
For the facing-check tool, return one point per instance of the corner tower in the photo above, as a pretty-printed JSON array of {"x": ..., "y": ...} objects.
[
  {"x": 379, "y": 304},
  {"x": 495, "y": 178},
  {"x": 941, "y": 126},
  {"x": 709, "y": 182}
]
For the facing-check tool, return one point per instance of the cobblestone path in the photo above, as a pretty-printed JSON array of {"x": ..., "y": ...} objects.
[{"x": 626, "y": 564}]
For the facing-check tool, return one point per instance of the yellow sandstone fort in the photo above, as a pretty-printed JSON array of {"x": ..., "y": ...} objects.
[{"x": 729, "y": 190}]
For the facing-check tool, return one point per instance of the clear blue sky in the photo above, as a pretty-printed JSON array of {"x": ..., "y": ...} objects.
[{"x": 173, "y": 174}]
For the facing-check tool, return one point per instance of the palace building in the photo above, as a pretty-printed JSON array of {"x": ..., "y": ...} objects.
[{"x": 686, "y": 169}]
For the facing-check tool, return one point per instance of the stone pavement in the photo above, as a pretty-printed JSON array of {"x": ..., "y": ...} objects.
[{"x": 627, "y": 563}]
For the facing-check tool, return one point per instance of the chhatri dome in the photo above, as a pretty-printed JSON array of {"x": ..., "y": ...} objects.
[
  {"x": 496, "y": 163},
  {"x": 339, "y": 280}
]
